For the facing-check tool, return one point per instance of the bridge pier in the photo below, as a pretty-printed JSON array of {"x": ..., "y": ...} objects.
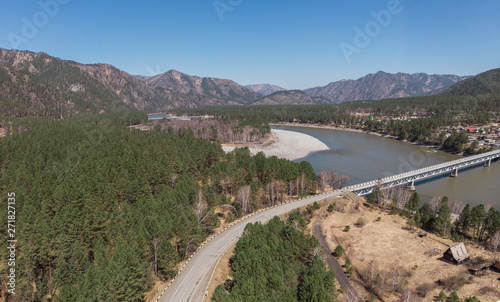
[
  {"x": 411, "y": 186},
  {"x": 487, "y": 163},
  {"x": 454, "y": 173}
]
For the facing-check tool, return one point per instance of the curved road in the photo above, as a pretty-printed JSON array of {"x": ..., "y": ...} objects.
[{"x": 193, "y": 280}]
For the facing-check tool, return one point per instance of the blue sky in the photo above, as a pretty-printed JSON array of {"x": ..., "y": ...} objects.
[{"x": 294, "y": 44}]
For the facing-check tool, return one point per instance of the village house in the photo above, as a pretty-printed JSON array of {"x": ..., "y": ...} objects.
[{"x": 456, "y": 254}]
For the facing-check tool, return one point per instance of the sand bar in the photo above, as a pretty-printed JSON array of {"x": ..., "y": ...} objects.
[{"x": 288, "y": 144}]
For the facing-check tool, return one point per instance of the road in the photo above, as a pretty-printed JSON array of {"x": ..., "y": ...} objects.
[
  {"x": 193, "y": 280},
  {"x": 335, "y": 265}
]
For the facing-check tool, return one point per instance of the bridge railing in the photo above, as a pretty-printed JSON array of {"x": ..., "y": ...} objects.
[{"x": 423, "y": 172}]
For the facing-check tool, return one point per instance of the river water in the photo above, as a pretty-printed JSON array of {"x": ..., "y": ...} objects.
[{"x": 365, "y": 157}]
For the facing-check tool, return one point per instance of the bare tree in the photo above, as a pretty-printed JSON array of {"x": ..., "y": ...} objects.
[
  {"x": 342, "y": 180},
  {"x": 274, "y": 192},
  {"x": 435, "y": 203},
  {"x": 324, "y": 179},
  {"x": 200, "y": 206},
  {"x": 231, "y": 208},
  {"x": 403, "y": 197},
  {"x": 332, "y": 179},
  {"x": 156, "y": 243},
  {"x": 456, "y": 206},
  {"x": 303, "y": 182},
  {"x": 495, "y": 243},
  {"x": 291, "y": 187},
  {"x": 371, "y": 272},
  {"x": 244, "y": 199},
  {"x": 408, "y": 296},
  {"x": 397, "y": 277}
]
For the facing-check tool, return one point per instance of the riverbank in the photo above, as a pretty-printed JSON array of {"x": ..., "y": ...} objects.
[
  {"x": 284, "y": 144},
  {"x": 366, "y": 132}
]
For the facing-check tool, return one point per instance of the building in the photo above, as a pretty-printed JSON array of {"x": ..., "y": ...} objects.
[
  {"x": 456, "y": 254},
  {"x": 495, "y": 267}
]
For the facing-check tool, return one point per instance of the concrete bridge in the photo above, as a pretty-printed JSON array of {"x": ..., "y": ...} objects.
[{"x": 409, "y": 178}]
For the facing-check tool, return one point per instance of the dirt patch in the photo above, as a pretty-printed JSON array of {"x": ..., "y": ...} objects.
[
  {"x": 221, "y": 273},
  {"x": 155, "y": 291},
  {"x": 383, "y": 245}
]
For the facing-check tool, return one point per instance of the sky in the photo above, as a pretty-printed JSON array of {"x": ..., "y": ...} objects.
[{"x": 293, "y": 44}]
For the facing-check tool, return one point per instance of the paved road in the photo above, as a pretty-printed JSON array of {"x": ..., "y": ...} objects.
[
  {"x": 335, "y": 265},
  {"x": 192, "y": 282}
]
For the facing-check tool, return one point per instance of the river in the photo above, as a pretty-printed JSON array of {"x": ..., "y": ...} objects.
[{"x": 365, "y": 157}]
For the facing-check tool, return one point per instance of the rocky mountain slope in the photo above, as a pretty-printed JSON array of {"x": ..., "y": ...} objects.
[
  {"x": 204, "y": 91},
  {"x": 265, "y": 89},
  {"x": 382, "y": 85},
  {"x": 36, "y": 84}
]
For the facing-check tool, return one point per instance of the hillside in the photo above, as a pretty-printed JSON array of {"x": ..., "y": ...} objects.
[
  {"x": 291, "y": 97},
  {"x": 485, "y": 83},
  {"x": 265, "y": 89},
  {"x": 204, "y": 91},
  {"x": 382, "y": 85},
  {"x": 36, "y": 84}
]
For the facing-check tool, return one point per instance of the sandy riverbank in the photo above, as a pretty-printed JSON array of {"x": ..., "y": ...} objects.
[
  {"x": 287, "y": 144},
  {"x": 365, "y": 132}
]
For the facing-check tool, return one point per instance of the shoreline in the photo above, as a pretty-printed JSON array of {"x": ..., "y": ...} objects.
[
  {"x": 280, "y": 145},
  {"x": 366, "y": 132}
]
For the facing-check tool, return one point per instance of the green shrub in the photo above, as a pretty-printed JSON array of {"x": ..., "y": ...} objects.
[{"x": 339, "y": 251}]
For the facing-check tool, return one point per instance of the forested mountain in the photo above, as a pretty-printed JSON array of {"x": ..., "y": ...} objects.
[
  {"x": 290, "y": 97},
  {"x": 485, "y": 83},
  {"x": 36, "y": 84},
  {"x": 382, "y": 85},
  {"x": 204, "y": 91},
  {"x": 265, "y": 89},
  {"x": 93, "y": 198}
]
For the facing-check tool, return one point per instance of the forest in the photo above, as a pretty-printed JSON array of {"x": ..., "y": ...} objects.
[
  {"x": 95, "y": 200},
  {"x": 216, "y": 130},
  {"x": 432, "y": 112},
  {"x": 278, "y": 262}
]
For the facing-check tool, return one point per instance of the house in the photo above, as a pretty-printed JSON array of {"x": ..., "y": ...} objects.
[
  {"x": 456, "y": 254},
  {"x": 495, "y": 267},
  {"x": 480, "y": 268}
]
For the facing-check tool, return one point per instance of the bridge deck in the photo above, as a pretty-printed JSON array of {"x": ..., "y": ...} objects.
[{"x": 408, "y": 177}]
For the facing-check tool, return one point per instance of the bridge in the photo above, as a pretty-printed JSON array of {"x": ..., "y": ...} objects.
[{"x": 409, "y": 178}]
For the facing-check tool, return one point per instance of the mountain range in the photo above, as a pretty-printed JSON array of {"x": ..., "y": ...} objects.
[
  {"x": 265, "y": 89},
  {"x": 42, "y": 85},
  {"x": 382, "y": 85}
]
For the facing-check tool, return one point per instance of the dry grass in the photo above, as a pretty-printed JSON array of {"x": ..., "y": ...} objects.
[
  {"x": 390, "y": 245},
  {"x": 221, "y": 273}
]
